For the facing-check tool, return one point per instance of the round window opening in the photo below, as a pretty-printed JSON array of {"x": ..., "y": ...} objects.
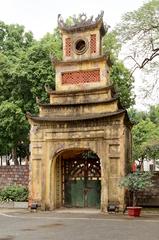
[{"x": 80, "y": 46}]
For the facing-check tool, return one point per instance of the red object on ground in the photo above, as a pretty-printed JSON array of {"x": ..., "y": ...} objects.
[
  {"x": 134, "y": 211},
  {"x": 134, "y": 167}
]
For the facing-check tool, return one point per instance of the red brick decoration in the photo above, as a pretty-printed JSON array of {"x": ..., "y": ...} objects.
[
  {"x": 10, "y": 175},
  {"x": 68, "y": 47},
  {"x": 81, "y": 77},
  {"x": 93, "y": 43}
]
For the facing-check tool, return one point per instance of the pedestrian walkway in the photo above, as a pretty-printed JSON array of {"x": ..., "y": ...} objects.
[
  {"x": 78, "y": 210},
  {"x": 79, "y": 213}
]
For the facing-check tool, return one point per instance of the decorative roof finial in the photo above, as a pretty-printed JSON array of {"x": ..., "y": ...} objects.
[{"x": 81, "y": 22}]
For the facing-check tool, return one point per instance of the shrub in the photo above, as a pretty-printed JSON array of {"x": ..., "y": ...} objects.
[
  {"x": 136, "y": 182},
  {"x": 14, "y": 193}
]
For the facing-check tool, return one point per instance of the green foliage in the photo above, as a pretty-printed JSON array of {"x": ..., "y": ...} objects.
[
  {"x": 135, "y": 182},
  {"x": 14, "y": 193},
  {"x": 13, "y": 130},
  {"x": 14, "y": 82},
  {"x": 145, "y": 134},
  {"x": 13, "y": 37},
  {"x": 139, "y": 30},
  {"x": 154, "y": 114},
  {"x": 40, "y": 70},
  {"x": 111, "y": 45},
  {"x": 136, "y": 116},
  {"x": 25, "y": 68},
  {"x": 120, "y": 75},
  {"x": 141, "y": 22},
  {"x": 123, "y": 83},
  {"x": 152, "y": 150},
  {"x": 12, "y": 121}
]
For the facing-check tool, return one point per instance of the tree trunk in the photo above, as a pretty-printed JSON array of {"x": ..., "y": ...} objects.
[
  {"x": 14, "y": 156},
  {"x": 154, "y": 164},
  {"x": 7, "y": 160},
  {"x": 134, "y": 197},
  {"x": 142, "y": 164}
]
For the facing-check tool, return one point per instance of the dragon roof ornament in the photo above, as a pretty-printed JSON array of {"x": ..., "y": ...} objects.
[{"x": 81, "y": 22}]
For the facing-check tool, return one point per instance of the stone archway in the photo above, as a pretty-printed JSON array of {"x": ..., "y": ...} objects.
[{"x": 76, "y": 179}]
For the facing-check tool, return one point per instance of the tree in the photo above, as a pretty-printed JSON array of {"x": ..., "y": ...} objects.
[
  {"x": 152, "y": 152},
  {"x": 26, "y": 65},
  {"x": 152, "y": 147},
  {"x": 145, "y": 140},
  {"x": 16, "y": 97},
  {"x": 13, "y": 128},
  {"x": 123, "y": 83},
  {"x": 39, "y": 67},
  {"x": 120, "y": 75},
  {"x": 14, "y": 83},
  {"x": 137, "y": 116},
  {"x": 135, "y": 183},
  {"x": 25, "y": 69},
  {"x": 154, "y": 114},
  {"x": 139, "y": 29}
]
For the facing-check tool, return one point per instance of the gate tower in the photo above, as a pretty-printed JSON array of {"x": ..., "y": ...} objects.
[{"x": 80, "y": 141}]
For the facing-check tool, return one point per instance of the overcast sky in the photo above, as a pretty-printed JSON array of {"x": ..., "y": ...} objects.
[{"x": 40, "y": 16}]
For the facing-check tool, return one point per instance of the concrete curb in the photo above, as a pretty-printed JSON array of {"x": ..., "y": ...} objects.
[{"x": 14, "y": 205}]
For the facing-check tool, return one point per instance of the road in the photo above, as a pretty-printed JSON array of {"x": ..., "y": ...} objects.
[{"x": 23, "y": 225}]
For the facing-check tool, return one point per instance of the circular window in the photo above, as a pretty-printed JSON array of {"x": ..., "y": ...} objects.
[{"x": 80, "y": 46}]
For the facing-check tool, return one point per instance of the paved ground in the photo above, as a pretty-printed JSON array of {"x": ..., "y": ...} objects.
[{"x": 23, "y": 225}]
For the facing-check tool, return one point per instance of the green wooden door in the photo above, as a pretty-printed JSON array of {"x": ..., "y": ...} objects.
[
  {"x": 82, "y": 186},
  {"x": 93, "y": 193},
  {"x": 74, "y": 193}
]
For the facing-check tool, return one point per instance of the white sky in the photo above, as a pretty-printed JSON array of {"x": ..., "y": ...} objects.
[{"x": 40, "y": 16}]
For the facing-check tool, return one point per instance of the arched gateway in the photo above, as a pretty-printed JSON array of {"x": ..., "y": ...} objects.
[
  {"x": 81, "y": 140},
  {"x": 78, "y": 179}
]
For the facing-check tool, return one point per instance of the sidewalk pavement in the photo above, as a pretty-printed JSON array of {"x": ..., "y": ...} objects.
[{"x": 89, "y": 213}]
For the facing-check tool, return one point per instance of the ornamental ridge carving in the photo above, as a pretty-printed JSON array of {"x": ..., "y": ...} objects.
[{"x": 80, "y": 21}]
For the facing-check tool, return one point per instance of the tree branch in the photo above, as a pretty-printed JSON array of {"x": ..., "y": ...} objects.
[{"x": 145, "y": 61}]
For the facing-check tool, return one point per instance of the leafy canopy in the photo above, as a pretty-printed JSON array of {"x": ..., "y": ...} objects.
[
  {"x": 135, "y": 182},
  {"x": 145, "y": 134},
  {"x": 120, "y": 76},
  {"x": 139, "y": 30}
]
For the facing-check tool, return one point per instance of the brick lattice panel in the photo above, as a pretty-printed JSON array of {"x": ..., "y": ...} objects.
[
  {"x": 14, "y": 175},
  {"x": 68, "y": 47},
  {"x": 77, "y": 77},
  {"x": 93, "y": 43}
]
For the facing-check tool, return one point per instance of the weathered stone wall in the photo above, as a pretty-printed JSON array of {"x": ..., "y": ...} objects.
[{"x": 18, "y": 175}]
